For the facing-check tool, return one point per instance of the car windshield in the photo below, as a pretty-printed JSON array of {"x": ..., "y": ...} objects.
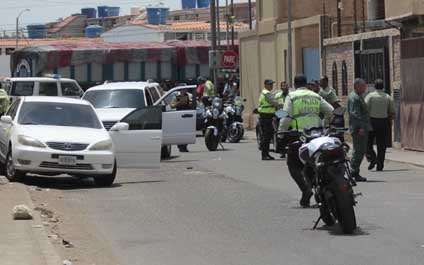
[
  {"x": 58, "y": 114},
  {"x": 122, "y": 98}
]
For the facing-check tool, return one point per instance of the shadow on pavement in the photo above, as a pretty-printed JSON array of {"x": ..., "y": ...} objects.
[
  {"x": 140, "y": 182},
  {"x": 375, "y": 181},
  {"x": 336, "y": 230},
  {"x": 63, "y": 183},
  {"x": 395, "y": 170}
]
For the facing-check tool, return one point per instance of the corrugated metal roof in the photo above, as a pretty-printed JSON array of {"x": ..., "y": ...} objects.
[
  {"x": 28, "y": 42},
  {"x": 188, "y": 25}
]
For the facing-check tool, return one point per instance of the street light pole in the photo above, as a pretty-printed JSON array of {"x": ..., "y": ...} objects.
[
  {"x": 290, "y": 47},
  {"x": 17, "y": 26},
  {"x": 213, "y": 45}
]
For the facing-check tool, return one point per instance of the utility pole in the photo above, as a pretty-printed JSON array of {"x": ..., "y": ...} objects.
[
  {"x": 227, "y": 16},
  {"x": 363, "y": 15},
  {"x": 290, "y": 47},
  {"x": 213, "y": 45},
  {"x": 218, "y": 22},
  {"x": 355, "y": 16},
  {"x": 339, "y": 18},
  {"x": 232, "y": 25},
  {"x": 250, "y": 15}
]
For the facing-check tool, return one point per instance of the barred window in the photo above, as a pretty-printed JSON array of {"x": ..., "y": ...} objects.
[
  {"x": 344, "y": 79},
  {"x": 335, "y": 78}
]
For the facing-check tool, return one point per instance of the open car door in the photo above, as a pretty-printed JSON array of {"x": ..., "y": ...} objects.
[
  {"x": 178, "y": 126},
  {"x": 137, "y": 138}
]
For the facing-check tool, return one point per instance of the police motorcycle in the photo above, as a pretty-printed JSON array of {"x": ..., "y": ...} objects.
[
  {"x": 215, "y": 123},
  {"x": 234, "y": 121},
  {"x": 327, "y": 169}
]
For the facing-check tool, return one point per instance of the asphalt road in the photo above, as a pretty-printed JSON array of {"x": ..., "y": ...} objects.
[{"x": 228, "y": 207}]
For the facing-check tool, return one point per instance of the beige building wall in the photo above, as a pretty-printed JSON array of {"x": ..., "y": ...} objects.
[
  {"x": 403, "y": 8},
  {"x": 262, "y": 56}
]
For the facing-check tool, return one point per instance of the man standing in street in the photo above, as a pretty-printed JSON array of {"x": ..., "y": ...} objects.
[
  {"x": 359, "y": 126},
  {"x": 266, "y": 109},
  {"x": 381, "y": 109},
  {"x": 281, "y": 97},
  {"x": 306, "y": 106},
  {"x": 328, "y": 93},
  {"x": 182, "y": 101}
]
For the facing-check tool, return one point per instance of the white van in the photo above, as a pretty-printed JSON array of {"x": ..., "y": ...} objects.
[{"x": 41, "y": 86}]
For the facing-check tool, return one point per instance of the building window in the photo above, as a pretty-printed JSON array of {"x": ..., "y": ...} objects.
[
  {"x": 9, "y": 51},
  {"x": 344, "y": 79},
  {"x": 335, "y": 78}
]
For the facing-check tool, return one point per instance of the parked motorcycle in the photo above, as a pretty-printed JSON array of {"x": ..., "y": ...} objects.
[
  {"x": 234, "y": 122},
  {"x": 326, "y": 167},
  {"x": 214, "y": 123}
]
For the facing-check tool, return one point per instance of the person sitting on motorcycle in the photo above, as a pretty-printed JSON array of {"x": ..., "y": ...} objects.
[
  {"x": 303, "y": 108},
  {"x": 281, "y": 97},
  {"x": 182, "y": 101}
]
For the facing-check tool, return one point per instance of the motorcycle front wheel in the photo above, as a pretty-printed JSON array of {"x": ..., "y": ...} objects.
[
  {"x": 211, "y": 140},
  {"x": 235, "y": 134}
]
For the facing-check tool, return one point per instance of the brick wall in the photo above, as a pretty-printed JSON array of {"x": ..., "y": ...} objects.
[{"x": 337, "y": 54}]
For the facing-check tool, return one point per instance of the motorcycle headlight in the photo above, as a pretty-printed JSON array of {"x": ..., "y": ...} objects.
[
  {"x": 29, "y": 141},
  {"x": 208, "y": 113},
  {"x": 217, "y": 104},
  {"x": 102, "y": 146}
]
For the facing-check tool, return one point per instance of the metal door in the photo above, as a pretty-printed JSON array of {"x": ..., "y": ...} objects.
[{"x": 311, "y": 63}]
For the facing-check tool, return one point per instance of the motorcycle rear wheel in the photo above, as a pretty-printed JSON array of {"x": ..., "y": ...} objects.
[
  {"x": 234, "y": 136},
  {"x": 344, "y": 203},
  {"x": 211, "y": 140}
]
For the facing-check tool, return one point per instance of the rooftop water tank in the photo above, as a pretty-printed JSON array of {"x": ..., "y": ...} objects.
[
  {"x": 93, "y": 31},
  {"x": 102, "y": 11},
  {"x": 202, "y": 3},
  {"x": 113, "y": 11},
  {"x": 89, "y": 12},
  {"x": 157, "y": 15},
  {"x": 37, "y": 31},
  {"x": 188, "y": 4}
]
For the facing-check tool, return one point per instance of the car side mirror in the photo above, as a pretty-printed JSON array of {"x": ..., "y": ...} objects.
[
  {"x": 6, "y": 119},
  {"x": 120, "y": 126}
]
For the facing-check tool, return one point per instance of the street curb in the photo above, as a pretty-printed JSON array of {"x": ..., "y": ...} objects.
[
  {"x": 405, "y": 163},
  {"x": 49, "y": 253}
]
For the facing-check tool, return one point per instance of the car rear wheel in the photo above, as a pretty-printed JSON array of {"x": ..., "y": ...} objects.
[
  {"x": 166, "y": 151},
  {"x": 12, "y": 174},
  {"x": 106, "y": 180}
]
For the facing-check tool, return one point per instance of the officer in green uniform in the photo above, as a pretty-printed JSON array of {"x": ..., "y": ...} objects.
[
  {"x": 266, "y": 109},
  {"x": 304, "y": 108},
  {"x": 359, "y": 126},
  {"x": 328, "y": 93},
  {"x": 381, "y": 109},
  {"x": 209, "y": 90},
  {"x": 281, "y": 97},
  {"x": 4, "y": 102}
]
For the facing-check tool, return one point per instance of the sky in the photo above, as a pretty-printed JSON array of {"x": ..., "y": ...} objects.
[{"x": 42, "y": 11}]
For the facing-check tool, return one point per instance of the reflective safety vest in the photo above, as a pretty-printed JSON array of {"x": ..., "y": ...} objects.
[
  {"x": 264, "y": 105},
  {"x": 209, "y": 89},
  {"x": 306, "y": 107},
  {"x": 280, "y": 97}
]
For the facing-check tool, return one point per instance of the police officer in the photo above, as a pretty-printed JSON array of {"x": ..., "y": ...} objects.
[
  {"x": 359, "y": 126},
  {"x": 304, "y": 108},
  {"x": 266, "y": 109},
  {"x": 281, "y": 97},
  {"x": 381, "y": 109},
  {"x": 209, "y": 90},
  {"x": 182, "y": 101},
  {"x": 328, "y": 93},
  {"x": 4, "y": 102}
]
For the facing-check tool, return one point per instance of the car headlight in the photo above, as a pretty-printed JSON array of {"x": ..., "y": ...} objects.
[
  {"x": 102, "y": 146},
  {"x": 29, "y": 141}
]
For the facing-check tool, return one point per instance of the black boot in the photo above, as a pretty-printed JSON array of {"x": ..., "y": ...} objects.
[{"x": 305, "y": 201}]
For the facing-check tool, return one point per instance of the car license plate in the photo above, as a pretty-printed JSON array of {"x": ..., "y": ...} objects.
[{"x": 67, "y": 160}]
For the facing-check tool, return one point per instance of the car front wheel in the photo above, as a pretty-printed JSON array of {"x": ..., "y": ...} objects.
[
  {"x": 106, "y": 180},
  {"x": 12, "y": 174}
]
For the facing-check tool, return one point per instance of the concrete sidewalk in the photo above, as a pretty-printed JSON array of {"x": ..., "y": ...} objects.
[
  {"x": 395, "y": 155},
  {"x": 23, "y": 241}
]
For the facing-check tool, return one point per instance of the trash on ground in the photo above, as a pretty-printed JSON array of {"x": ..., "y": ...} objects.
[
  {"x": 67, "y": 262},
  {"x": 53, "y": 220},
  {"x": 37, "y": 226},
  {"x": 22, "y": 212},
  {"x": 44, "y": 211},
  {"x": 189, "y": 168},
  {"x": 53, "y": 236},
  {"x": 67, "y": 244}
]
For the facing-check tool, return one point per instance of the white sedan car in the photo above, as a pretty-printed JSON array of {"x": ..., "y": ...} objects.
[{"x": 52, "y": 136}]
